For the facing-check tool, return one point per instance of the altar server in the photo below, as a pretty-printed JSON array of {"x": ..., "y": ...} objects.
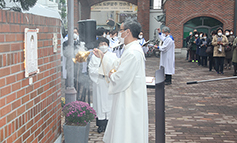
[
  {"x": 102, "y": 101},
  {"x": 128, "y": 122}
]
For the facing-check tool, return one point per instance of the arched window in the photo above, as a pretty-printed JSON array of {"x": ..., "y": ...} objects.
[{"x": 202, "y": 24}]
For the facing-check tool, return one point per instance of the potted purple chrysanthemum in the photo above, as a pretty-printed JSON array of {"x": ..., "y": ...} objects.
[{"x": 78, "y": 115}]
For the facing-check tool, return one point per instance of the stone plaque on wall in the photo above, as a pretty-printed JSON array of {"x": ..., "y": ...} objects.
[{"x": 31, "y": 52}]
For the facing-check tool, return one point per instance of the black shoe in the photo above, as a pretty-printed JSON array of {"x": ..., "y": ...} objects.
[
  {"x": 100, "y": 129},
  {"x": 235, "y": 74},
  {"x": 168, "y": 83}
]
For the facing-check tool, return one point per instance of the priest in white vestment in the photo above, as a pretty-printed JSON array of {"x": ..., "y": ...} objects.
[
  {"x": 128, "y": 122},
  {"x": 167, "y": 54},
  {"x": 102, "y": 101}
]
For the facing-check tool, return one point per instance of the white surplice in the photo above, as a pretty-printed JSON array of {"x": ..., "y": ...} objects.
[
  {"x": 167, "y": 55},
  {"x": 101, "y": 100},
  {"x": 144, "y": 48},
  {"x": 129, "y": 115}
]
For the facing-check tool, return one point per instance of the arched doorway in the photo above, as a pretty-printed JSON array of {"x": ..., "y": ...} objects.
[
  {"x": 116, "y": 11},
  {"x": 202, "y": 24}
]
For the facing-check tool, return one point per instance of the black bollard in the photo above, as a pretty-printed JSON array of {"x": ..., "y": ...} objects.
[{"x": 160, "y": 105}]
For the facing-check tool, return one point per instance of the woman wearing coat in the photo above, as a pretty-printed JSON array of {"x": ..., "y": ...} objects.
[
  {"x": 234, "y": 58},
  {"x": 219, "y": 42},
  {"x": 204, "y": 43}
]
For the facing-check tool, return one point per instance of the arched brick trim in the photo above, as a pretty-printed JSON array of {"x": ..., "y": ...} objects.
[{"x": 202, "y": 15}]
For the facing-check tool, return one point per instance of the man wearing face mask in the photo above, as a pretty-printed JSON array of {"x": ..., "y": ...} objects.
[
  {"x": 128, "y": 122},
  {"x": 167, "y": 57},
  {"x": 102, "y": 101},
  {"x": 194, "y": 41},
  {"x": 198, "y": 47}
]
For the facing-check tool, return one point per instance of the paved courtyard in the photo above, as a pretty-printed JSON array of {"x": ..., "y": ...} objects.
[{"x": 201, "y": 113}]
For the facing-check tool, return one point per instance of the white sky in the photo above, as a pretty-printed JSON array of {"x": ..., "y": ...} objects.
[{"x": 157, "y": 4}]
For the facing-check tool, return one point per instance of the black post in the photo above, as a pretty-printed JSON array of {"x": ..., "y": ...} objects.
[{"x": 160, "y": 105}]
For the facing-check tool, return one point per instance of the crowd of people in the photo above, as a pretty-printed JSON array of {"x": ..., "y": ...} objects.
[
  {"x": 116, "y": 71},
  {"x": 219, "y": 49}
]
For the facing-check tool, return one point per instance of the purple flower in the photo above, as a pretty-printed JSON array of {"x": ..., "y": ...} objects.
[{"x": 78, "y": 112}]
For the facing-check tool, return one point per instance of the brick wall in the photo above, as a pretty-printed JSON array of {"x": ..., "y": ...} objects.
[
  {"x": 143, "y": 11},
  {"x": 178, "y": 12},
  {"x": 29, "y": 112},
  {"x": 76, "y": 13},
  {"x": 143, "y": 16}
]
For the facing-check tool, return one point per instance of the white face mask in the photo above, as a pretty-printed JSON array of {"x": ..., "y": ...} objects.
[
  {"x": 108, "y": 36},
  {"x": 121, "y": 40},
  {"x": 205, "y": 37},
  {"x": 200, "y": 35},
  {"x": 104, "y": 48},
  {"x": 196, "y": 35},
  {"x": 219, "y": 34},
  {"x": 140, "y": 36},
  {"x": 104, "y": 35},
  {"x": 227, "y": 33},
  {"x": 231, "y": 33}
]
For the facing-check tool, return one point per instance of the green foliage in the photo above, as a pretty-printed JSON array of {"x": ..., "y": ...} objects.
[
  {"x": 63, "y": 13},
  {"x": 25, "y": 4},
  {"x": 62, "y": 1}
]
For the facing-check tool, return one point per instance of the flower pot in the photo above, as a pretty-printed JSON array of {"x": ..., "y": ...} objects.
[{"x": 76, "y": 134}]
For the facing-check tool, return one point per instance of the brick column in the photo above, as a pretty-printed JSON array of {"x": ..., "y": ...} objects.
[
  {"x": 85, "y": 10},
  {"x": 143, "y": 16},
  {"x": 76, "y": 12}
]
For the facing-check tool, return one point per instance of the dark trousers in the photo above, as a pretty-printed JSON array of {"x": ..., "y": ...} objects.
[
  {"x": 219, "y": 62},
  {"x": 203, "y": 60},
  {"x": 198, "y": 58},
  {"x": 211, "y": 62},
  {"x": 192, "y": 55},
  {"x": 168, "y": 78},
  {"x": 228, "y": 62},
  {"x": 187, "y": 54}
]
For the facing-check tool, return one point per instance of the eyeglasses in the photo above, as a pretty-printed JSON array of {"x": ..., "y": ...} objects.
[{"x": 122, "y": 29}]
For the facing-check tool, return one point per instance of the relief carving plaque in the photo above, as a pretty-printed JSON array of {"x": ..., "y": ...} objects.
[{"x": 31, "y": 52}]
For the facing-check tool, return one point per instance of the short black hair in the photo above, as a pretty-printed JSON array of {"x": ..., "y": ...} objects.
[
  {"x": 213, "y": 32},
  {"x": 102, "y": 39},
  {"x": 114, "y": 32},
  {"x": 227, "y": 30},
  {"x": 100, "y": 31},
  {"x": 219, "y": 29},
  {"x": 195, "y": 33},
  {"x": 76, "y": 29},
  {"x": 134, "y": 26}
]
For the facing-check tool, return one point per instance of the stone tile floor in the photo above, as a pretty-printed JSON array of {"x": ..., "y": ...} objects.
[{"x": 198, "y": 113}]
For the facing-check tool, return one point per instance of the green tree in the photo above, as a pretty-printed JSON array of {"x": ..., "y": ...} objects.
[
  {"x": 25, "y": 4},
  {"x": 63, "y": 9}
]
